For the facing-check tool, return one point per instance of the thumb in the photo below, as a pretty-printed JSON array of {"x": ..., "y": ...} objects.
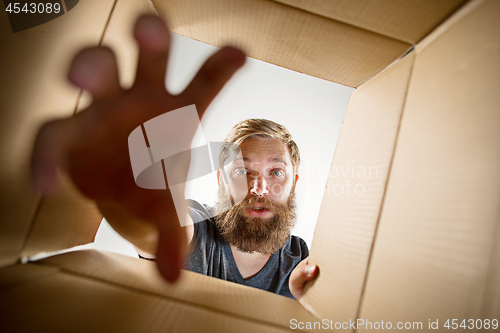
[
  {"x": 305, "y": 273},
  {"x": 49, "y": 151}
]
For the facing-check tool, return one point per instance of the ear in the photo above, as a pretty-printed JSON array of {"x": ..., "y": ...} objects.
[
  {"x": 296, "y": 178},
  {"x": 218, "y": 177}
]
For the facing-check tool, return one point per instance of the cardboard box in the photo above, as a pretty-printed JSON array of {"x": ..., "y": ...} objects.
[{"x": 421, "y": 245}]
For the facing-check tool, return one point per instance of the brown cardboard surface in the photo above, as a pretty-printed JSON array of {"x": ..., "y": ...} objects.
[
  {"x": 33, "y": 64},
  {"x": 434, "y": 253},
  {"x": 462, "y": 12},
  {"x": 63, "y": 220},
  {"x": 436, "y": 234},
  {"x": 347, "y": 223},
  {"x": 65, "y": 302},
  {"x": 18, "y": 275},
  {"x": 408, "y": 21},
  {"x": 286, "y": 37},
  {"x": 192, "y": 289}
]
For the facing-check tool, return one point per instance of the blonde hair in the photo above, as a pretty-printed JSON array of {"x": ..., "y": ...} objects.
[{"x": 260, "y": 127}]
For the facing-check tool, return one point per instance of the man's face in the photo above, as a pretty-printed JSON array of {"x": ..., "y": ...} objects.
[
  {"x": 261, "y": 208},
  {"x": 263, "y": 170}
]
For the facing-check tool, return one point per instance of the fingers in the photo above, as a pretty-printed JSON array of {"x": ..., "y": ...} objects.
[
  {"x": 153, "y": 38},
  {"x": 170, "y": 253},
  {"x": 302, "y": 273},
  {"x": 172, "y": 242},
  {"x": 212, "y": 77},
  {"x": 94, "y": 69},
  {"x": 310, "y": 272}
]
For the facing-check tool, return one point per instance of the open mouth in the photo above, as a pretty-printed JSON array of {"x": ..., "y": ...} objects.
[{"x": 257, "y": 211}]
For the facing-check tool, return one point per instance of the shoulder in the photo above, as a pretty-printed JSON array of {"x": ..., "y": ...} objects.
[
  {"x": 197, "y": 211},
  {"x": 203, "y": 222},
  {"x": 296, "y": 247}
]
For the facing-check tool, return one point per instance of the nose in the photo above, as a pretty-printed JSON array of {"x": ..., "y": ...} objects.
[{"x": 259, "y": 187}]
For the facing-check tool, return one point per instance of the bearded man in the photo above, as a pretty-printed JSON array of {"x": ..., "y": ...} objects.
[{"x": 248, "y": 241}]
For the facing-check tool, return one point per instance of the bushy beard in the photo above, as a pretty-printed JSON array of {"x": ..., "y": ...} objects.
[{"x": 254, "y": 234}]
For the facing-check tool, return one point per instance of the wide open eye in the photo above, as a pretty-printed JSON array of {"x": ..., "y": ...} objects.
[
  {"x": 240, "y": 171},
  {"x": 277, "y": 173}
]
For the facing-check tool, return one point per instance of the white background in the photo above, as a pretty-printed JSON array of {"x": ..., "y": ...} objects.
[{"x": 312, "y": 109}]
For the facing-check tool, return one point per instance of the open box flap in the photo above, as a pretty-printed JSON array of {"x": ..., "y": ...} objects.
[
  {"x": 354, "y": 192},
  {"x": 34, "y": 89},
  {"x": 286, "y": 36},
  {"x": 408, "y": 21},
  {"x": 193, "y": 295},
  {"x": 433, "y": 256},
  {"x": 67, "y": 302},
  {"x": 17, "y": 275}
]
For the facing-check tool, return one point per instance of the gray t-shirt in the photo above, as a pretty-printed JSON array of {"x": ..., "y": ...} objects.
[{"x": 212, "y": 256}]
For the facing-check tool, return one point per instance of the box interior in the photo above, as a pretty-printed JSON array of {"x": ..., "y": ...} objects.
[{"x": 421, "y": 243}]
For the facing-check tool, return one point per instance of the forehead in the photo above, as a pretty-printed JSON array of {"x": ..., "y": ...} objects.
[{"x": 265, "y": 150}]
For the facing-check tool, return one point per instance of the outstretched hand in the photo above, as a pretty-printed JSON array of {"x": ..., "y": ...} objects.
[{"x": 92, "y": 146}]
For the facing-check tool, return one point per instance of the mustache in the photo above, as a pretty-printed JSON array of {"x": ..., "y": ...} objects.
[
  {"x": 254, "y": 234},
  {"x": 265, "y": 202}
]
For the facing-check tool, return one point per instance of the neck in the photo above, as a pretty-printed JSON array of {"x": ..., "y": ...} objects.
[{"x": 249, "y": 264}]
